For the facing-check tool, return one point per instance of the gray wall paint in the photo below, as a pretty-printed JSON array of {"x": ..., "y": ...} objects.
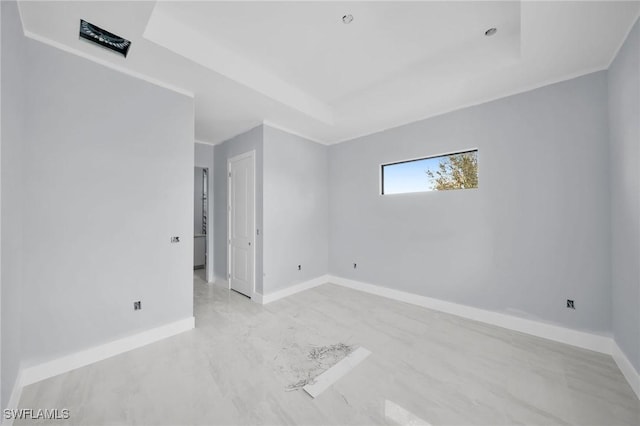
[
  {"x": 250, "y": 140},
  {"x": 204, "y": 158},
  {"x": 291, "y": 178},
  {"x": 12, "y": 197},
  {"x": 97, "y": 230},
  {"x": 534, "y": 234},
  {"x": 624, "y": 124},
  {"x": 527, "y": 239},
  {"x": 295, "y": 209}
]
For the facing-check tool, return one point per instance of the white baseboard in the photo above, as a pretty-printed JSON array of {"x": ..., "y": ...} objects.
[
  {"x": 627, "y": 369},
  {"x": 598, "y": 343},
  {"x": 85, "y": 357},
  {"x": 257, "y": 298},
  {"x": 594, "y": 342},
  {"x": 271, "y": 297}
]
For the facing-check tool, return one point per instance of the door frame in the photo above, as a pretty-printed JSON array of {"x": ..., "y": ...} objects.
[
  {"x": 210, "y": 237},
  {"x": 208, "y": 246},
  {"x": 249, "y": 154}
]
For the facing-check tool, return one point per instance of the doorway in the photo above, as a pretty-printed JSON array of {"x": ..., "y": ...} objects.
[
  {"x": 241, "y": 223},
  {"x": 200, "y": 222}
]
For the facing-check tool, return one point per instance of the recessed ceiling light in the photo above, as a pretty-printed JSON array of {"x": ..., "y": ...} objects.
[
  {"x": 347, "y": 19},
  {"x": 490, "y": 32}
]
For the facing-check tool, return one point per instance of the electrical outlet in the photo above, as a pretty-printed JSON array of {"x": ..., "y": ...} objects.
[
  {"x": 175, "y": 239},
  {"x": 137, "y": 305},
  {"x": 570, "y": 304},
  {"x": 355, "y": 265},
  {"x": 299, "y": 267}
]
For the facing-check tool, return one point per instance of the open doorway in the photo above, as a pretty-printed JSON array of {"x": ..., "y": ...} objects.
[{"x": 200, "y": 222}]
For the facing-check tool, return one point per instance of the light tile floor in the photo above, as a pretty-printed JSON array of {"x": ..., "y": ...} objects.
[
  {"x": 234, "y": 368},
  {"x": 200, "y": 273}
]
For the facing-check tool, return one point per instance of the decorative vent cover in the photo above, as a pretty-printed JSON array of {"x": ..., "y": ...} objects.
[{"x": 104, "y": 38}]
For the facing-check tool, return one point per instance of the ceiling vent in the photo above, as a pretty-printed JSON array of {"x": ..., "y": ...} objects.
[{"x": 104, "y": 38}]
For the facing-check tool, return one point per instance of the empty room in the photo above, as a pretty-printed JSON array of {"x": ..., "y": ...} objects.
[{"x": 320, "y": 213}]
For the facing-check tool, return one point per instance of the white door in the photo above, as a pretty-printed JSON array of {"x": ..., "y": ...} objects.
[{"x": 242, "y": 223}]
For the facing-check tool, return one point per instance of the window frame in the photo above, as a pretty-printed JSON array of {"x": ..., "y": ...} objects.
[{"x": 448, "y": 154}]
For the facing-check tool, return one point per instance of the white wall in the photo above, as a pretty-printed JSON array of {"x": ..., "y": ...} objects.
[
  {"x": 534, "y": 234},
  {"x": 204, "y": 158},
  {"x": 108, "y": 180},
  {"x": 11, "y": 167},
  {"x": 624, "y": 123},
  {"x": 296, "y": 210},
  {"x": 245, "y": 142}
]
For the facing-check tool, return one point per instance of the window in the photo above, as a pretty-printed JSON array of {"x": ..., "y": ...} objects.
[{"x": 451, "y": 171}]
